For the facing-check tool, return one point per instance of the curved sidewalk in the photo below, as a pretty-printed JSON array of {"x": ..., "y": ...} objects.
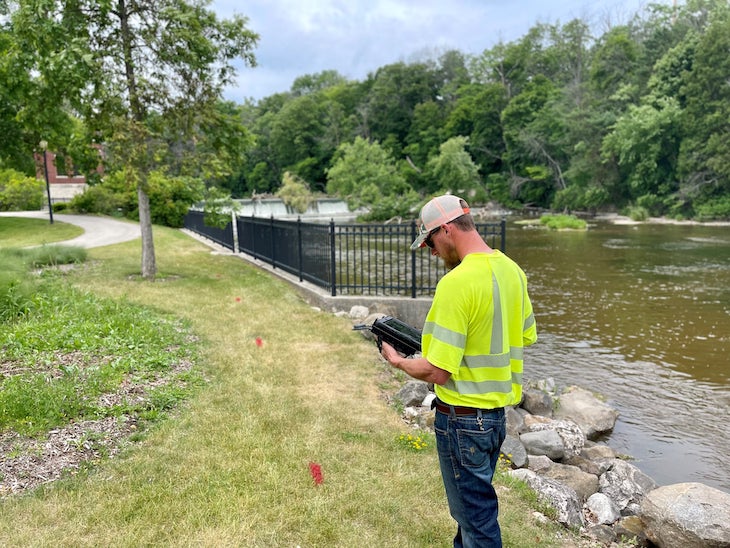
[{"x": 98, "y": 231}]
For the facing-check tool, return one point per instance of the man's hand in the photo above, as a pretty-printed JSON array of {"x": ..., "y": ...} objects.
[
  {"x": 418, "y": 368},
  {"x": 390, "y": 354}
]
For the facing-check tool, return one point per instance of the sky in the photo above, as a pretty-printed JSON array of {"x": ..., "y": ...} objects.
[{"x": 356, "y": 37}]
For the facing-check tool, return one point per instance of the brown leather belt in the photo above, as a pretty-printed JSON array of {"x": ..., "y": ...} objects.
[{"x": 458, "y": 410}]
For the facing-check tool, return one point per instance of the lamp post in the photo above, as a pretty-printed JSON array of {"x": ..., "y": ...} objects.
[{"x": 44, "y": 148}]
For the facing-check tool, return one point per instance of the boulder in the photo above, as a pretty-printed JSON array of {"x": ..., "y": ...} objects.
[
  {"x": 582, "y": 483},
  {"x": 359, "y": 312},
  {"x": 412, "y": 393},
  {"x": 690, "y": 515},
  {"x": 515, "y": 421},
  {"x": 631, "y": 529},
  {"x": 597, "y": 468},
  {"x": 569, "y": 432},
  {"x": 601, "y": 510},
  {"x": 561, "y": 497},
  {"x": 537, "y": 402},
  {"x": 626, "y": 485},
  {"x": 598, "y": 451},
  {"x": 592, "y": 415},
  {"x": 546, "y": 442},
  {"x": 513, "y": 449}
]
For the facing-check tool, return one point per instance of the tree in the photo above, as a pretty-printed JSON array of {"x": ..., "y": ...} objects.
[
  {"x": 455, "y": 170},
  {"x": 366, "y": 176},
  {"x": 295, "y": 137},
  {"x": 645, "y": 142},
  {"x": 137, "y": 72},
  {"x": 705, "y": 151},
  {"x": 295, "y": 192},
  {"x": 395, "y": 92}
]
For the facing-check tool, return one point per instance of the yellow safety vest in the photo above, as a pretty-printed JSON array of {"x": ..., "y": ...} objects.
[{"x": 480, "y": 320}]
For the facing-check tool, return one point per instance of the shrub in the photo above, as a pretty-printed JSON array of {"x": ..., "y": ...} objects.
[
  {"x": 171, "y": 198},
  {"x": 653, "y": 204},
  {"x": 54, "y": 255},
  {"x": 20, "y": 193},
  {"x": 295, "y": 192},
  {"x": 713, "y": 209},
  {"x": 561, "y": 222},
  {"x": 637, "y": 213},
  {"x": 96, "y": 200}
]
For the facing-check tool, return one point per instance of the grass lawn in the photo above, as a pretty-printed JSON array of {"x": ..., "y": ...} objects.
[
  {"x": 23, "y": 231},
  {"x": 285, "y": 386}
]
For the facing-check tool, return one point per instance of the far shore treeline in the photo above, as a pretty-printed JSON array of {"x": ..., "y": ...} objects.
[{"x": 572, "y": 116}]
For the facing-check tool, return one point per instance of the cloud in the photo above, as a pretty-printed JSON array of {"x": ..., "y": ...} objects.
[{"x": 355, "y": 37}]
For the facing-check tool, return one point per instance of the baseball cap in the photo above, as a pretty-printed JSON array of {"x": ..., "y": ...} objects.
[{"x": 437, "y": 212}]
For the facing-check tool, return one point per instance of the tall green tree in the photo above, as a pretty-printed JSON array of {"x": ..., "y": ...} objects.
[
  {"x": 366, "y": 175},
  {"x": 455, "y": 171},
  {"x": 296, "y": 133},
  {"x": 395, "y": 92},
  {"x": 135, "y": 71},
  {"x": 705, "y": 154}
]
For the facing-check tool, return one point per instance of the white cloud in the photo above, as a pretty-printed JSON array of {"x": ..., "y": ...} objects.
[{"x": 355, "y": 37}]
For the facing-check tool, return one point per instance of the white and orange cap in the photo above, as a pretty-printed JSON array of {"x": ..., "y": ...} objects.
[{"x": 437, "y": 212}]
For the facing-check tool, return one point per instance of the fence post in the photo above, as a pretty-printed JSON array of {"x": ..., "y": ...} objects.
[
  {"x": 273, "y": 243},
  {"x": 234, "y": 228},
  {"x": 333, "y": 256},
  {"x": 300, "y": 259},
  {"x": 413, "y": 261},
  {"x": 503, "y": 236}
]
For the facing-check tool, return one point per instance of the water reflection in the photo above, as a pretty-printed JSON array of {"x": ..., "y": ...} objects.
[{"x": 640, "y": 314}]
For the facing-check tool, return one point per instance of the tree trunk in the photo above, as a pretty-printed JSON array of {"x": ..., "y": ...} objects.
[{"x": 149, "y": 266}]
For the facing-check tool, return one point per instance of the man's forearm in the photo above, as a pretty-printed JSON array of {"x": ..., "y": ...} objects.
[{"x": 421, "y": 369}]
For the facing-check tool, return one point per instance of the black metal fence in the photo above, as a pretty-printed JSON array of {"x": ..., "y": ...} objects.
[{"x": 345, "y": 259}]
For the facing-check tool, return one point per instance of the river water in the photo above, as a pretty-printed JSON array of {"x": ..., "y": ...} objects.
[{"x": 641, "y": 315}]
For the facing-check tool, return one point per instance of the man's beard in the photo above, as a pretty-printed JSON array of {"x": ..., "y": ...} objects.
[{"x": 451, "y": 259}]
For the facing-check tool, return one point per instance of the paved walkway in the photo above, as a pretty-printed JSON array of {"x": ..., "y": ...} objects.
[{"x": 98, "y": 231}]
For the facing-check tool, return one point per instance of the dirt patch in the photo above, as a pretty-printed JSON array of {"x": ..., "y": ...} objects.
[{"x": 27, "y": 462}]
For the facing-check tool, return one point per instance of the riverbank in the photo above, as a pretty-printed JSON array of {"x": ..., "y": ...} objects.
[
  {"x": 287, "y": 386},
  {"x": 617, "y": 219}
]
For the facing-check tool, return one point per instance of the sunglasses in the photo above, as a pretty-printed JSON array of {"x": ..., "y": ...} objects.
[{"x": 428, "y": 241}]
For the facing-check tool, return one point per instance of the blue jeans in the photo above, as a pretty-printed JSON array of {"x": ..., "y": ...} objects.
[{"x": 468, "y": 448}]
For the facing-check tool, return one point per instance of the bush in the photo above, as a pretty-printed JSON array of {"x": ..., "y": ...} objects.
[
  {"x": 20, "y": 193},
  {"x": 295, "y": 192},
  {"x": 653, "y": 204},
  {"x": 637, "y": 213},
  {"x": 561, "y": 222},
  {"x": 578, "y": 198},
  {"x": 54, "y": 255},
  {"x": 96, "y": 200},
  {"x": 713, "y": 209},
  {"x": 171, "y": 198}
]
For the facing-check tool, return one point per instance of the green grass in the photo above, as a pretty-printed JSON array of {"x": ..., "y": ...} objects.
[
  {"x": 74, "y": 348},
  {"x": 23, "y": 232},
  {"x": 563, "y": 222},
  {"x": 231, "y": 468}
]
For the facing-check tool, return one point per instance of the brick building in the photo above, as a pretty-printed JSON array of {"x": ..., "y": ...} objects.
[{"x": 63, "y": 180}]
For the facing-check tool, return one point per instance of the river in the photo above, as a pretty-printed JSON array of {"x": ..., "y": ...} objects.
[{"x": 641, "y": 315}]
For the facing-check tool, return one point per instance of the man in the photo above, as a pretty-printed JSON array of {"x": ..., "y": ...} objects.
[{"x": 479, "y": 321}]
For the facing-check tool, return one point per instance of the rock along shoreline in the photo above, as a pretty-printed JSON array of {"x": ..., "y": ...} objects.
[{"x": 554, "y": 445}]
